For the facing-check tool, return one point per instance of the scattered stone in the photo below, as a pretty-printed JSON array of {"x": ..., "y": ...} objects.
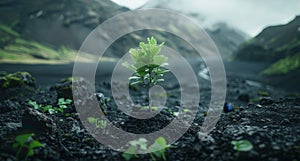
[
  {"x": 266, "y": 101},
  {"x": 12, "y": 126},
  {"x": 259, "y": 106},
  {"x": 8, "y": 105},
  {"x": 262, "y": 145},
  {"x": 205, "y": 137}
]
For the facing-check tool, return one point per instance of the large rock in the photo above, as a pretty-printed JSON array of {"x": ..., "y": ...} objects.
[
  {"x": 17, "y": 84},
  {"x": 37, "y": 121},
  {"x": 17, "y": 79}
]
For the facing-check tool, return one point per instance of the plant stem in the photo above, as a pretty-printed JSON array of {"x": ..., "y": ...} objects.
[
  {"x": 18, "y": 152},
  {"x": 149, "y": 86}
]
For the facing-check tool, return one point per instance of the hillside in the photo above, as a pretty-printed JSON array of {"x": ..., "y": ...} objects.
[
  {"x": 277, "y": 45},
  {"x": 226, "y": 37},
  {"x": 49, "y": 31}
]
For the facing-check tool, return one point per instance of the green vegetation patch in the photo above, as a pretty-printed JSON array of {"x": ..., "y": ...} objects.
[
  {"x": 16, "y": 80},
  {"x": 284, "y": 66}
]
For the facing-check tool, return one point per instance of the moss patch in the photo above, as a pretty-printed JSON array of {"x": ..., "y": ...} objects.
[
  {"x": 16, "y": 80},
  {"x": 284, "y": 65}
]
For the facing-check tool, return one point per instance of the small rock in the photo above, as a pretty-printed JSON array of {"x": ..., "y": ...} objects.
[
  {"x": 205, "y": 137},
  {"x": 12, "y": 126},
  {"x": 276, "y": 147},
  {"x": 262, "y": 145},
  {"x": 244, "y": 97},
  {"x": 258, "y": 106},
  {"x": 8, "y": 105},
  {"x": 266, "y": 101},
  {"x": 37, "y": 121}
]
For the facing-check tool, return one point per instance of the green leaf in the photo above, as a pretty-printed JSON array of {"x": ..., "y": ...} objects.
[
  {"x": 242, "y": 145},
  {"x": 22, "y": 139},
  {"x": 63, "y": 106},
  {"x": 30, "y": 152},
  {"x": 92, "y": 120},
  {"x": 129, "y": 66},
  {"x": 35, "y": 144},
  {"x": 141, "y": 142},
  {"x": 103, "y": 123},
  {"x": 175, "y": 113},
  {"x": 15, "y": 145},
  {"x": 160, "y": 59},
  {"x": 134, "y": 77},
  {"x": 63, "y": 101},
  {"x": 33, "y": 104},
  {"x": 129, "y": 153},
  {"x": 186, "y": 110},
  {"x": 158, "y": 147},
  {"x": 154, "y": 108},
  {"x": 51, "y": 111},
  {"x": 59, "y": 109},
  {"x": 46, "y": 108}
]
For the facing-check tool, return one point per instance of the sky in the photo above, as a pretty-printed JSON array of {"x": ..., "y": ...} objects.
[{"x": 250, "y": 16}]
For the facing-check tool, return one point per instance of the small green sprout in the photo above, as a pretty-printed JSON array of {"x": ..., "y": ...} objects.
[
  {"x": 242, "y": 145},
  {"x": 186, "y": 110},
  {"x": 97, "y": 122},
  {"x": 25, "y": 141},
  {"x": 33, "y": 104},
  {"x": 147, "y": 64},
  {"x": 62, "y": 104},
  {"x": 157, "y": 149}
]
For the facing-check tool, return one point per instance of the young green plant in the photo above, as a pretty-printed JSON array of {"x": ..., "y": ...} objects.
[
  {"x": 148, "y": 64},
  {"x": 97, "y": 122},
  {"x": 25, "y": 141},
  {"x": 62, "y": 104},
  {"x": 242, "y": 146},
  {"x": 157, "y": 149}
]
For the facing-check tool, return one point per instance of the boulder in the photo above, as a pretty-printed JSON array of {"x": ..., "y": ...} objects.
[{"x": 37, "y": 121}]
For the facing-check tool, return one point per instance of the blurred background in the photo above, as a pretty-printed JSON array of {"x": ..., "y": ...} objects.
[{"x": 258, "y": 40}]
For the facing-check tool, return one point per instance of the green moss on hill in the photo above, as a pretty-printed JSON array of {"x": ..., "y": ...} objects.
[{"x": 284, "y": 65}]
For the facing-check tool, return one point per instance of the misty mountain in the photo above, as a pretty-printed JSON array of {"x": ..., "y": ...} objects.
[
  {"x": 226, "y": 37},
  {"x": 277, "y": 45},
  {"x": 56, "y": 22},
  {"x": 279, "y": 48}
]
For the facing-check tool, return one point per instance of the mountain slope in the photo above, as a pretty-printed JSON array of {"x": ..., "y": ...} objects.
[
  {"x": 277, "y": 45},
  {"x": 49, "y": 31},
  {"x": 226, "y": 37}
]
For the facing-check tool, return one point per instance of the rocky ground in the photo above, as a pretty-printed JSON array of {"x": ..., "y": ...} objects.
[{"x": 266, "y": 117}]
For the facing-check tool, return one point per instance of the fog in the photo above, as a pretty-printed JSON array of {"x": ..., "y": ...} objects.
[{"x": 250, "y": 16}]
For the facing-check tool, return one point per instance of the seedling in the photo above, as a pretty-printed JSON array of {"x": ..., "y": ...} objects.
[
  {"x": 97, "y": 122},
  {"x": 242, "y": 145},
  {"x": 34, "y": 104},
  {"x": 62, "y": 104},
  {"x": 25, "y": 141},
  {"x": 147, "y": 64},
  {"x": 157, "y": 149}
]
